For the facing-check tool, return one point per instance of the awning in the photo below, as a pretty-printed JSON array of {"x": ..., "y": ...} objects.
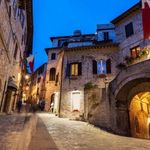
[{"x": 12, "y": 85}]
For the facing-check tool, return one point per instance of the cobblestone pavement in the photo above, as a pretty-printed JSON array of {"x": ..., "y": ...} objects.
[
  {"x": 76, "y": 135},
  {"x": 10, "y": 130}
]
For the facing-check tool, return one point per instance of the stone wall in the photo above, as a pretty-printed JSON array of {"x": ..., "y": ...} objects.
[
  {"x": 97, "y": 107},
  {"x": 70, "y": 86},
  {"x": 129, "y": 82},
  {"x": 11, "y": 33}
]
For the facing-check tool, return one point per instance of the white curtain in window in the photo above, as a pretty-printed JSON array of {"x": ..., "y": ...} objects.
[{"x": 101, "y": 67}]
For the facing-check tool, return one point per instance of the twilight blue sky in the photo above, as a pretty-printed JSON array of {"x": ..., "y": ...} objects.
[{"x": 62, "y": 17}]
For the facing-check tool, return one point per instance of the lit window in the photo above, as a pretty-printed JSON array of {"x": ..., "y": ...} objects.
[
  {"x": 74, "y": 69},
  {"x": 135, "y": 52}
]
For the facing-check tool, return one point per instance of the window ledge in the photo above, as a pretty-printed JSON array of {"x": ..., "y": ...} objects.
[{"x": 74, "y": 77}]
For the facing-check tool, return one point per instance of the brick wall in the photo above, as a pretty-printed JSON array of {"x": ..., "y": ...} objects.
[{"x": 11, "y": 33}]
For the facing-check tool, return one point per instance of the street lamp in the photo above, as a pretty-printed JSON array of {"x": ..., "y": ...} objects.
[
  {"x": 27, "y": 77},
  {"x": 27, "y": 88}
]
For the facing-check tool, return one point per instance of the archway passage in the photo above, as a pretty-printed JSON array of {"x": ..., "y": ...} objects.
[
  {"x": 52, "y": 103},
  {"x": 139, "y": 113}
]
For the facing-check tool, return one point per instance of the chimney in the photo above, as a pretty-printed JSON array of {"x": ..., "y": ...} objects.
[{"x": 77, "y": 33}]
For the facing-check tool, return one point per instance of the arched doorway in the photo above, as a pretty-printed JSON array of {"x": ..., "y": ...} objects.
[
  {"x": 52, "y": 103},
  {"x": 139, "y": 114},
  {"x": 129, "y": 111}
]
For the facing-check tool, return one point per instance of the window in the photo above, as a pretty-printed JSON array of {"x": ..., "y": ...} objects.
[
  {"x": 16, "y": 51},
  {"x": 22, "y": 18},
  {"x": 37, "y": 91},
  {"x": 74, "y": 69},
  {"x": 106, "y": 36},
  {"x": 9, "y": 11},
  {"x": 62, "y": 43},
  {"x": 53, "y": 56},
  {"x": 57, "y": 78},
  {"x": 21, "y": 4},
  {"x": 94, "y": 67},
  {"x": 102, "y": 67},
  {"x": 39, "y": 80},
  {"x": 135, "y": 52},
  {"x": 14, "y": 8},
  {"x": 129, "y": 29},
  {"x": 22, "y": 39},
  {"x": 52, "y": 74}
]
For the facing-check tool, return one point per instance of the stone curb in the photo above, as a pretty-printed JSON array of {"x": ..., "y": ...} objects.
[{"x": 28, "y": 131}]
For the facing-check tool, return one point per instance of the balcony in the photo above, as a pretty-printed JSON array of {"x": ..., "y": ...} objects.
[{"x": 142, "y": 56}]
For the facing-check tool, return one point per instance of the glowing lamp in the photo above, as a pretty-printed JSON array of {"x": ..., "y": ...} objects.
[
  {"x": 27, "y": 88},
  {"x": 26, "y": 77}
]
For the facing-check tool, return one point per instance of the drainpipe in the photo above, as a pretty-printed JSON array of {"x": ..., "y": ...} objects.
[{"x": 62, "y": 65}]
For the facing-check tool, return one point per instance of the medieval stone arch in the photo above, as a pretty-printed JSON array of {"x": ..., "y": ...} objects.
[{"x": 123, "y": 100}]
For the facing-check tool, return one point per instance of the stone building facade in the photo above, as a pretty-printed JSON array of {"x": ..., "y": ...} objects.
[
  {"x": 15, "y": 45},
  {"x": 129, "y": 91},
  {"x": 37, "y": 83},
  {"x": 104, "y": 78},
  {"x": 81, "y": 60}
]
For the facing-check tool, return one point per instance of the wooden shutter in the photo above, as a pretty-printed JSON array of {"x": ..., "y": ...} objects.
[
  {"x": 68, "y": 70},
  {"x": 108, "y": 66},
  {"x": 57, "y": 78},
  {"x": 94, "y": 67},
  {"x": 79, "y": 69}
]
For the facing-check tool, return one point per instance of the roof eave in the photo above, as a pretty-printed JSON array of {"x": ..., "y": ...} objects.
[{"x": 126, "y": 13}]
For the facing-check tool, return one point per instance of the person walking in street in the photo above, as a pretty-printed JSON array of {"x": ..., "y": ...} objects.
[
  {"x": 19, "y": 105},
  {"x": 42, "y": 104},
  {"x": 52, "y": 107}
]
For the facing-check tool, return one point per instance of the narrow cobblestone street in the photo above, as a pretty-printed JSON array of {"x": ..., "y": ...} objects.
[
  {"x": 16, "y": 130},
  {"x": 11, "y": 127},
  {"x": 76, "y": 135}
]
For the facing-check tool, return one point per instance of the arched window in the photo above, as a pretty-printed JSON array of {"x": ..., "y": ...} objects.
[{"x": 52, "y": 74}]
